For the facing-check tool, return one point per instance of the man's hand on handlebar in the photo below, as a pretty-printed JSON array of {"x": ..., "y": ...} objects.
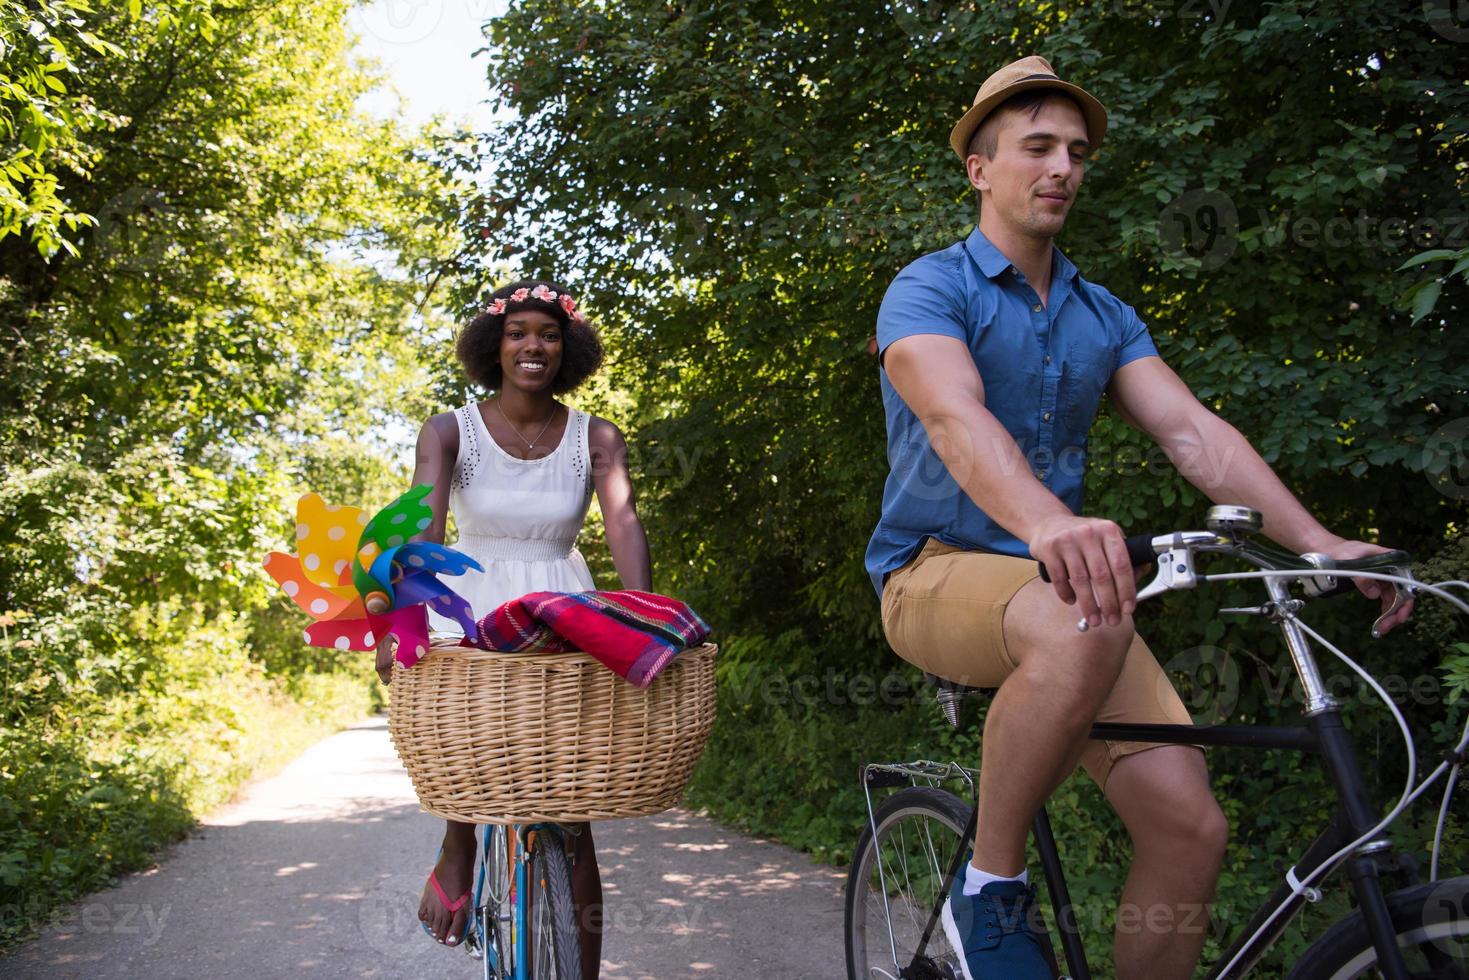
[
  {"x": 1344, "y": 550},
  {"x": 1088, "y": 566}
]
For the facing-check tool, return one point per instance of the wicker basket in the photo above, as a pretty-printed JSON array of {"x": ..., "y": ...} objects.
[{"x": 514, "y": 738}]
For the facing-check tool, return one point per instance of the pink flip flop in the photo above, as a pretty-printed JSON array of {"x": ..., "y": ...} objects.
[{"x": 452, "y": 907}]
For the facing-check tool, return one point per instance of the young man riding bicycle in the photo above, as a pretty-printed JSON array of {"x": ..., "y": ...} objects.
[{"x": 994, "y": 355}]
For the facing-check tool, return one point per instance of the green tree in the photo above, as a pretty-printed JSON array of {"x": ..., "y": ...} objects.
[
  {"x": 733, "y": 186},
  {"x": 248, "y": 312}
]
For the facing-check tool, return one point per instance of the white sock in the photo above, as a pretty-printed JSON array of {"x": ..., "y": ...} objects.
[{"x": 975, "y": 879}]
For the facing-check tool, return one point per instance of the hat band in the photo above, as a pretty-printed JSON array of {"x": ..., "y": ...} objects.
[{"x": 1028, "y": 78}]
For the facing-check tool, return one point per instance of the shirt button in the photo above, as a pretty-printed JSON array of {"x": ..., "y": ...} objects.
[
  {"x": 1047, "y": 416},
  {"x": 1036, "y": 308},
  {"x": 1048, "y": 359},
  {"x": 1041, "y": 475}
]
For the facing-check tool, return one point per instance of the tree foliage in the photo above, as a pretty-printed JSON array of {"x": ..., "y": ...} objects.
[
  {"x": 734, "y": 185},
  {"x": 242, "y": 319}
]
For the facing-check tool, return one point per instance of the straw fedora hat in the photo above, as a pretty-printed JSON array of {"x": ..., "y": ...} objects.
[{"x": 1022, "y": 76}]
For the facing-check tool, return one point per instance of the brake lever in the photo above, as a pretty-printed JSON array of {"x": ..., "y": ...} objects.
[
  {"x": 1402, "y": 595},
  {"x": 1175, "y": 571}
]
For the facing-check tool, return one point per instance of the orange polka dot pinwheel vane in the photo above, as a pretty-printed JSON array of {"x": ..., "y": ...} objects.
[{"x": 363, "y": 579}]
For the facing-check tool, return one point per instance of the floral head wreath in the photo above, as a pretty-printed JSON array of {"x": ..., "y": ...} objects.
[{"x": 543, "y": 293}]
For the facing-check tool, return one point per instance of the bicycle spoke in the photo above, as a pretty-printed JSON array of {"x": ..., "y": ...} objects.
[{"x": 900, "y": 883}]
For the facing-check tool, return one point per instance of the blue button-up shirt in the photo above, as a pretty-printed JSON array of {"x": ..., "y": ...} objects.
[{"x": 1044, "y": 368}]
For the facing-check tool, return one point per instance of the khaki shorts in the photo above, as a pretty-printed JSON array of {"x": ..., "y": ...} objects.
[{"x": 943, "y": 612}]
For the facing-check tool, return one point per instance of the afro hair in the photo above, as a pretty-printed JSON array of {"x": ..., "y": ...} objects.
[{"x": 478, "y": 346}]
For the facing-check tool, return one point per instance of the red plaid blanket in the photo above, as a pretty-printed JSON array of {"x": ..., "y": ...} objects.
[{"x": 635, "y": 634}]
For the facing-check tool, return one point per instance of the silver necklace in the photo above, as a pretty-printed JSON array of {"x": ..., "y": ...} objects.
[{"x": 528, "y": 443}]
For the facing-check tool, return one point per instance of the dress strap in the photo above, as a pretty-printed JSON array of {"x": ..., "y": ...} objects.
[
  {"x": 470, "y": 452},
  {"x": 581, "y": 450}
]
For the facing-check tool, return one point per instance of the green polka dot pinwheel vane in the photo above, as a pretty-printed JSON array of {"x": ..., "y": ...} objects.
[{"x": 381, "y": 585}]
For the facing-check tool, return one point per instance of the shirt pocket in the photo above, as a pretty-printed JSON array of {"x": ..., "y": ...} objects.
[{"x": 1084, "y": 376}]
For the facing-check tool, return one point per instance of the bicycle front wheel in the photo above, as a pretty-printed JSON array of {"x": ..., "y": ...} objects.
[
  {"x": 897, "y": 880},
  {"x": 555, "y": 943},
  {"x": 1432, "y": 926}
]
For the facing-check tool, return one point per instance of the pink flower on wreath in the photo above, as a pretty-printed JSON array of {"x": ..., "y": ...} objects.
[
  {"x": 568, "y": 306},
  {"x": 519, "y": 296},
  {"x": 497, "y": 308},
  {"x": 544, "y": 294}
]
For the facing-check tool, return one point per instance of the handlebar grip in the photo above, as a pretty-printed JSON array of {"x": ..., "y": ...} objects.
[
  {"x": 1342, "y": 587},
  {"x": 1343, "y": 570},
  {"x": 1139, "y": 552}
]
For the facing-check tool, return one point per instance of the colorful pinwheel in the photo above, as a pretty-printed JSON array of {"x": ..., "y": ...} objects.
[{"x": 360, "y": 593}]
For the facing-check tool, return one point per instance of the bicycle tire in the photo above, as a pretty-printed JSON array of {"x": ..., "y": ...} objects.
[
  {"x": 555, "y": 942},
  {"x": 918, "y": 821},
  {"x": 1432, "y": 926}
]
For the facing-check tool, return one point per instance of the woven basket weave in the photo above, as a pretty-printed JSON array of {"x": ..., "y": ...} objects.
[{"x": 492, "y": 737}]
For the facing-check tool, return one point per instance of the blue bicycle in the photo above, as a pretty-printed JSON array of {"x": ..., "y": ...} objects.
[{"x": 523, "y": 924}]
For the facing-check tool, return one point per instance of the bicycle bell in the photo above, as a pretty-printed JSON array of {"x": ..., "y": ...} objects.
[{"x": 1228, "y": 520}]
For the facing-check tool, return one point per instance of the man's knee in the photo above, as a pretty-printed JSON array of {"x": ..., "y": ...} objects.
[
  {"x": 1182, "y": 815},
  {"x": 1085, "y": 663},
  {"x": 1199, "y": 825}
]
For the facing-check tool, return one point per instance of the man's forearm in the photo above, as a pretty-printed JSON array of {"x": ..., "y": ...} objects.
[
  {"x": 984, "y": 460},
  {"x": 1220, "y": 461}
]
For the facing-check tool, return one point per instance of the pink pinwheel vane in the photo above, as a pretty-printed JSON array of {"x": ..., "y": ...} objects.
[{"x": 363, "y": 579}]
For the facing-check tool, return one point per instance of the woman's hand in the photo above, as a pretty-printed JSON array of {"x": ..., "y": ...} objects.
[{"x": 384, "y": 665}]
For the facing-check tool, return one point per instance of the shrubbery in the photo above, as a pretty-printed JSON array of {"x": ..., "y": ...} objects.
[
  {"x": 176, "y": 370},
  {"x": 732, "y": 187}
]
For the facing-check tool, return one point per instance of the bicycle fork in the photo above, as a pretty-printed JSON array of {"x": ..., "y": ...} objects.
[
  {"x": 1362, "y": 867},
  {"x": 1354, "y": 816}
]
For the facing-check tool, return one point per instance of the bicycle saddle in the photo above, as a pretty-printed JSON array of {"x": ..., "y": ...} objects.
[{"x": 954, "y": 687}]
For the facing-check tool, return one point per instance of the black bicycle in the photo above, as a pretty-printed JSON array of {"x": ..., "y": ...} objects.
[{"x": 917, "y": 840}]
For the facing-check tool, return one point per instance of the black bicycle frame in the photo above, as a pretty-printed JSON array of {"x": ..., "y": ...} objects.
[{"x": 1353, "y": 817}]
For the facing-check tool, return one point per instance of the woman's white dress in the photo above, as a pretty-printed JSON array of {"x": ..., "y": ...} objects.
[{"x": 519, "y": 518}]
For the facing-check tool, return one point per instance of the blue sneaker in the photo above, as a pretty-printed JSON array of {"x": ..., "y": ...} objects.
[{"x": 991, "y": 932}]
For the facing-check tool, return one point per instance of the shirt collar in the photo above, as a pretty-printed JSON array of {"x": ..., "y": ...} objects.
[{"x": 992, "y": 261}]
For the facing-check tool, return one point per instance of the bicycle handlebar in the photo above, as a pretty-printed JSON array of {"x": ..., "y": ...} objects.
[
  {"x": 1142, "y": 551},
  {"x": 1139, "y": 552},
  {"x": 1231, "y": 532}
]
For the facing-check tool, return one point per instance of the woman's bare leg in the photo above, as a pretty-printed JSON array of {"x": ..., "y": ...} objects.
[
  {"x": 586, "y": 895},
  {"x": 454, "y": 871}
]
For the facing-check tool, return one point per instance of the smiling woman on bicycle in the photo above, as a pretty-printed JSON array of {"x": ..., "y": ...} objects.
[{"x": 518, "y": 471}]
